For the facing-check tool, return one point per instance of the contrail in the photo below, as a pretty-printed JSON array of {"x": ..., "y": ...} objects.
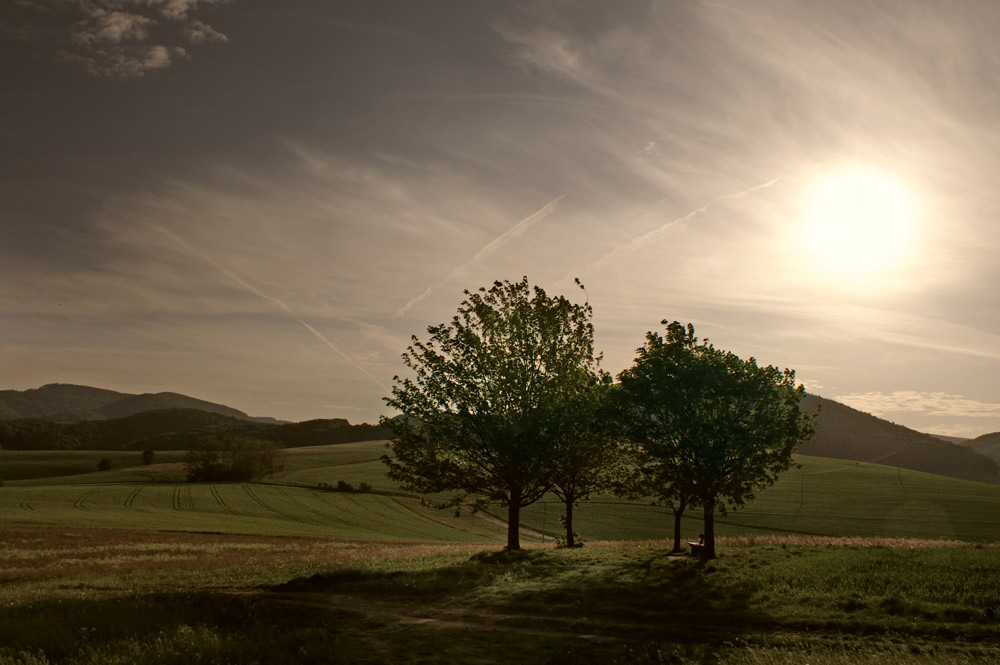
[
  {"x": 280, "y": 303},
  {"x": 646, "y": 238},
  {"x": 491, "y": 247}
]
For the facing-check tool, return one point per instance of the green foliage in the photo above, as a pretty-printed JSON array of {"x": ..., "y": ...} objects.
[
  {"x": 485, "y": 411},
  {"x": 148, "y": 456},
  {"x": 590, "y": 455},
  {"x": 233, "y": 460},
  {"x": 712, "y": 426},
  {"x": 105, "y": 464}
]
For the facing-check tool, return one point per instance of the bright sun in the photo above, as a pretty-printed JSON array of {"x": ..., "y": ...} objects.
[{"x": 858, "y": 222}]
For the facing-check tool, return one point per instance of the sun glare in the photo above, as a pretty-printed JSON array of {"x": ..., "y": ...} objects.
[{"x": 858, "y": 223}]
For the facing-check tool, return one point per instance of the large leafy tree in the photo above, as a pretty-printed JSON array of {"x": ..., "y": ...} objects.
[
  {"x": 720, "y": 427},
  {"x": 484, "y": 409}
]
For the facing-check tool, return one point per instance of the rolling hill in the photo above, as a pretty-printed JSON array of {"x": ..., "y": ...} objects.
[
  {"x": 846, "y": 433},
  {"x": 71, "y": 417},
  {"x": 175, "y": 429},
  {"x": 67, "y": 403},
  {"x": 987, "y": 444}
]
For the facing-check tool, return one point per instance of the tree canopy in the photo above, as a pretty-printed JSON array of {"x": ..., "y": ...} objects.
[
  {"x": 717, "y": 427},
  {"x": 485, "y": 410}
]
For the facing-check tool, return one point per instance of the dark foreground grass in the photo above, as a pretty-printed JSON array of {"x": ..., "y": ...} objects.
[{"x": 227, "y": 599}]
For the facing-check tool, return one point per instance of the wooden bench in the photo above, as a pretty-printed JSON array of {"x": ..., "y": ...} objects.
[{"x": 697, "y": 548}]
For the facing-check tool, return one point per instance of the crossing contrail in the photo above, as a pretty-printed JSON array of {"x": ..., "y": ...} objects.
[
  {"x": 646, "y": 238},
  {"x": 488, "y": 249},
  {"x": 271, "y": 299}
]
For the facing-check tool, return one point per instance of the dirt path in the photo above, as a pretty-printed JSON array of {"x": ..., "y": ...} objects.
[{"x": 463, "y": 617}]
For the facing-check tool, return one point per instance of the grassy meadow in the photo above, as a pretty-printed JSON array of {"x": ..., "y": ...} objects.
[{"x": 838, "y": 563}]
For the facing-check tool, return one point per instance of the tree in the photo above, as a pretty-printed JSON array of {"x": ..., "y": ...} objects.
[
  {"x": 483, "y": 412},
  {"x": 233, "y": 459},
  {"x": 659, "y": 477},
  {"x": 590, "y": 454},
  {"x": 105, "y": 464},
  {"x": 148, "y": 456},
  {"x": 719, "y": 427}
]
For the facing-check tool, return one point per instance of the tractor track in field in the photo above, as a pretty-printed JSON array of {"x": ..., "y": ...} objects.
[
  {"x": 266, "y": 506},
  {"x": 175, "y": 499},
  {"x": 26, "y": 505},
  {"x": 283, "y": 490},
  {"x": 80, "y": 503},
  {"x": 217, "y": 495},
  {"x": 131, "y": 499}
]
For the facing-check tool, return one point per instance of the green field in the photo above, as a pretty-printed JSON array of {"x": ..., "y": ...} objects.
[
  {"x": 49, "y": 465},
  {"x": 839, "y": 563},
  {"x": 825, "y": 497},
  {"x": 98, "y": 597}
]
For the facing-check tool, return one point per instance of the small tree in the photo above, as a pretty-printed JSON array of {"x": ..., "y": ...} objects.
[
  {"x": 148, "y": 456},
  {"x": 483, "y": 413},
  {"x": 590, "y": 455},
  {"x": 105, "y": 464},
  {"x": 718, "y": 427},
  {"x": 646, "y": 475}
]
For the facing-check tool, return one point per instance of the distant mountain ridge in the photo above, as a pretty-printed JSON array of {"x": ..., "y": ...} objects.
[
  {"x": 81, "y": 417},
  {"x": 68, "y": 403},
  {"x": 987, "y": 444},
  {"x": 63, "y": 416},
  {"x": 846, "y": 433},
  {"x": 175, "y": 429}
]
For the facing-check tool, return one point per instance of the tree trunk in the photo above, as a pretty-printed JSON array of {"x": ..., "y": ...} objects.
[
  {"x": 570, "y": 541},
  {"x": 678, "y": 514},
  {"x": 514, "y": 523},
  {"x": 708, "y": 552}
]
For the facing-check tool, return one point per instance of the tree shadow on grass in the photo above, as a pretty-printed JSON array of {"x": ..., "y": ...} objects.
[
  {"x": 645, "y": 595},
  {"x": 164, "y": 628}
]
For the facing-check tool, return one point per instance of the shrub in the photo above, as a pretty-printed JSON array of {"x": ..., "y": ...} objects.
[
  {"x": 105, "y": 464},
  {"x": 148, "y": 456}
]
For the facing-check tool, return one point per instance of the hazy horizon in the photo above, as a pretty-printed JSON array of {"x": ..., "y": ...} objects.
[{"x": 257, "y": 204}]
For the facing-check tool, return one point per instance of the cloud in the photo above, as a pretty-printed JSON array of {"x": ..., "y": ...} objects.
[
  {"x": 123, "y": 39},
  {"x": 489, "y": 248},
  {"x": 651, "y": 236},
  {"x": 125, "y": 62},
  {"x": 104, "y": 27},
  {"x": 180, "y": 242},
  {"x": 199, "y": 33},
  {"x": 925, "y": 403}
]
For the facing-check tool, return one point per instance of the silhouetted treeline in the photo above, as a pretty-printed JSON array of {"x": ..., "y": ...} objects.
[{"x": 176, "y": 429}]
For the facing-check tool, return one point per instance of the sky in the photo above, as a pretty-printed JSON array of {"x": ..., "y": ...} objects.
[{"x": 258, "y": 203}]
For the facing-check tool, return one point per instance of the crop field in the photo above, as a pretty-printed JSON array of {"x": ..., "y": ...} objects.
[
  {"x": 838, "y": 563},
  {"x": 254, "y": 508},
  {"x": 80, "y": 465},
  {"x": 825, "y": 497}
]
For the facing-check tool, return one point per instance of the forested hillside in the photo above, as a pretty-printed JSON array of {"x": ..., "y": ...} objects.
[
  {"x": 174, "y": 429},
  {"x": 846, "y": 433}
]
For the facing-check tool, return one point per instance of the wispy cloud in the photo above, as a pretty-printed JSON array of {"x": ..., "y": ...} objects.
[
  {"x": 272, "y": 299},
  {"x": 914, "y": 402},
  {"x": 495, "y": 244},
  {"x": 651, "y": 236}
]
